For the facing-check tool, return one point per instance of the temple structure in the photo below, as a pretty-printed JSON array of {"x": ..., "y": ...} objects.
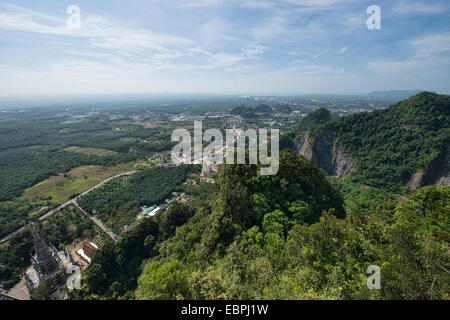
[{"x": 48, "y": 265}]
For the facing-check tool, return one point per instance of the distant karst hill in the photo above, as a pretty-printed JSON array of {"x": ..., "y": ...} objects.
[
  {"x": 262, "y": 108},
  {"x": 318, "y": 116},
  {"x": 393, "y": 95},
  {"x": 243, "y": 110},
  {"x": 404, "y": 145},
  {"x": 285, "y": 108},
  {"x": 239, "y": 110}
]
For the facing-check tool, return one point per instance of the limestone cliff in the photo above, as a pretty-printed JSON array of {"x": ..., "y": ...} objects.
[
  {"x": 327, "y": 153},
  {"x": 438, "y": 174}
]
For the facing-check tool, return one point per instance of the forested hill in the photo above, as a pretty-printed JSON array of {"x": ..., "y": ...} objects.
[
  {"x": 244, "y": 201},
  {"x": 405, "y": 144},
  {"x": 285, "y": 237},
  {"x": 318, "y": 116},
  {"x": 278, "y": 237}
]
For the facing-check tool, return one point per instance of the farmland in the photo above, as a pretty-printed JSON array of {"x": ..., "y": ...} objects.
[
  {"x": 63, "y": 186},
  {"x": 92, "y": 151}
]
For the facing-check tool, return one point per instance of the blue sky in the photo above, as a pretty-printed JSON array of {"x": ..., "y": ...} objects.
[{"x": 223, "y": 46}]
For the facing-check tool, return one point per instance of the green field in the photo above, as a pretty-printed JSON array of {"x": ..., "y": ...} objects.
[
  {"x": 63, "y": 186},
  {"x": 92, "y": 151}
]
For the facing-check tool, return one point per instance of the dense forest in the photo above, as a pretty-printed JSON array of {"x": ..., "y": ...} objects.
[
  {"x": 15, "y": 214},
  {"x": 282, "y": 259},
  {"x": 271, "y": 237},
  {"x": 356, "y": 193},
  {"x": 117, "y": 202},
  {"x": 242, "y": 198}
]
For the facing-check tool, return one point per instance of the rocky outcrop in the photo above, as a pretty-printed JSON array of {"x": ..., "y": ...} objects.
[
  {"x": 438, "y": 174},
  {"x": 303, "y": 147},
  {"x": 327, "y": 153},
  {"x": 416, "y": 181}
]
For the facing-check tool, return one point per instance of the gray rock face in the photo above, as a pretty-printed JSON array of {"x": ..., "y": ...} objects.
[
  {"x": 327, "y": 153},
  {"x": 438, "y": 174},
  {"x": 416, "y": 181}
]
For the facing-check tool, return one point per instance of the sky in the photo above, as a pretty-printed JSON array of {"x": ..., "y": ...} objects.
[{"x": 222, "y": 47}]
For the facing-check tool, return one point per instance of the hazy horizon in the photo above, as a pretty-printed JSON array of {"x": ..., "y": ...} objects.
[{"x": 207, "y": 94}]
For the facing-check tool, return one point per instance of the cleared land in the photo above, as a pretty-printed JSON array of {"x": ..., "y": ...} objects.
[
  {"x": 91, "y": 151},
  {"x": 64, "y": 186}
]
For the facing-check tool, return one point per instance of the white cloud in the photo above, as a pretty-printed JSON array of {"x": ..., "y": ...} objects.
[
  {"x": 273, "y": 27},
  {"x": 301, "y": 68},
  {"x": 17, "y": 8},
  {"x": 137, "y": 47},
  {"x": 217, "y": 33},
  {"x": 263, "y": 4},
  {"x": 209, "y": 48},
  {"x": 227, "y": 60},
  {"x": 253, "y": 50},
  {"x": 202, "y": 3},
  {"x": 317, "y": 3},
  {"x": 426, "y": 53},
  {"x": 317, "y": 52},
  {"x": 431, "y": 45},
  {"x": 344, "y": 49},
  {"x": 257, "y": 4},
  {"x": 407, "y": 7}
]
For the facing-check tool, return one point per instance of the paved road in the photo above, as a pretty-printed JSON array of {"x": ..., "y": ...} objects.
[
  {"x": 98, "y": 222},
  {"x": 74, "y": 201}
]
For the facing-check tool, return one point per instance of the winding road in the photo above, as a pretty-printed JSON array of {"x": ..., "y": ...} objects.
[{"x": 74, "y": 202}]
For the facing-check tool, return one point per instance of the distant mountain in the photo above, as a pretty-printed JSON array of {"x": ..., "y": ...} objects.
[
  {"x": 239, "y": 110},
  {"x": 285, "y": 108},
  {"x": 262, "y": 108},
  {"x": 393, "y": 95},
  {"x": 405, "y": 145},
  {"x": 247, "y": 112}
]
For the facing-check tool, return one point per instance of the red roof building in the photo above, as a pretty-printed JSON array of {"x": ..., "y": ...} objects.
[{"x": 89, "y": 249}]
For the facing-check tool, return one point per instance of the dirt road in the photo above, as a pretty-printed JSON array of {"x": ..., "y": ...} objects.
[{"x": 74, "y": 201}]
